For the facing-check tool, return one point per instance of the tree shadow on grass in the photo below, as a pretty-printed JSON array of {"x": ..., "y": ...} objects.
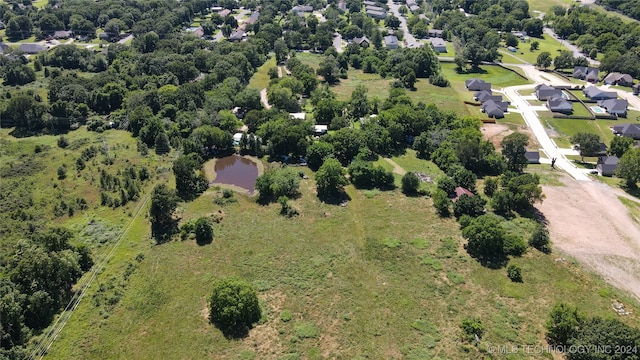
[
  {"x": 472, "y": 70},
  {"x": 631, "y": 190},
  {"x": 492, "y": 262},
  {"x": 233, "y": 333},
  {"x": 340, "y": 199}
]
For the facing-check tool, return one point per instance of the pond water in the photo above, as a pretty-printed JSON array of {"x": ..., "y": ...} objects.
[{"x": 238, "y": 171}]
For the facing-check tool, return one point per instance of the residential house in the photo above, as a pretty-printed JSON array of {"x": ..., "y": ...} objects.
[
  {"x": 482, "y": 95},
  {"x": 615, "y": 78},
  {"x": 369, "y": 3},
  {"x": 362, "y": 41},
  {"x": 602, "y": 151},
  {"x": 302, "y": 9},
  {"x": 391, "y": 41},
  {"x": 375, "y": 8},
  {"x": 237, "y": 35},
  {"x": 435, "y": 33},
  {"x": 607, "y": 165},
  {"x": 342, "y": 6},
  {"x": 376, "y": 14},
  {"x": 413, "y": 7},
  {"x": 522, "y": 35},
  {"x": 438, "y": 45},
  {"x": 594, "y": 93},
  {"x": 32, "y": 48},
  {"x": 224, "y": 13},
  {"x": 253, "y": 18},
  {"x": 492, "y": 109},
  {"x": 424, "y": 17},
  {"x": 559, "y": 104},
  {"x": 585, "y": 73},
  {"x": 477, "y": 85},
  {"x": 615, "y": 106},
  {"x": 62, "y": 34},
  {"x": 544, "y": 92},
  {"x": 497, "y": 101},
  {"x": 320, "y": 129},
  {"x": 628, "y": 130},
  {"x": 636, "y": 89},
  {"x": 460, "y": 191},
  {"x": 533, "y": 157}
]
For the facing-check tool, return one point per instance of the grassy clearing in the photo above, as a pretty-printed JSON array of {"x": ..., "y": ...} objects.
[
  {"x": 566, "y": 128},
  {"x": 547, "y": 43},
  {"x": 396, "y": 283},
  {"x": 547, "y": 176},
  {"x": 632, "y": 206},
  {"x": 377, "y": 86},
  {"x": 545, "y": 5},
  {"x": 260, "y": 79}
]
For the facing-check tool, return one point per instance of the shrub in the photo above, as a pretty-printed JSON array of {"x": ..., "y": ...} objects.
[
  {"x": 514, "y": 245},
  {"x": 286, "y": 209},
  {"x": 471, "y": 327},
  {"x": 62, "y": 172},
  {"x": 490, "y": 186},
  {"x": 469, "y": 205},
  {"x": 441, "y": 202},
  {"x": 540, "y": 239},
  {"x": 514, "y": 273},
  {"x": 277, "y": 182},
  {"x": 234, "y": 306},
  {"x": 63, "y": 142},
  {"x": 410, "y": 183},
  {"x": 204, "y": 230},
  {"x": 439, "y": 80},
  {"x": 563, "y": 323}
]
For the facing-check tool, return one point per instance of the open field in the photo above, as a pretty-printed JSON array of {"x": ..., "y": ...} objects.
[
  {"x": 393, "y": 283},
  {"x": 260, "y": 79},
  {"x": 566, "y": 128},
  {"x": 547, "y": 43},
  {"x": 545, "y": 5}
]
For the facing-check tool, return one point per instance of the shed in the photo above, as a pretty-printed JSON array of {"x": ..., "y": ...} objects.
[{"x": 533, "y": 157}]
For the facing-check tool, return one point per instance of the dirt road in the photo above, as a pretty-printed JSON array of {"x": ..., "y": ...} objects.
[{"x": 588, "y": 222}]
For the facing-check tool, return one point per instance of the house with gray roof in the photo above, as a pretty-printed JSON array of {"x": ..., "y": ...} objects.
[
  {"x": 628, "y": 130},
  {"x": 391, "y": 41},
  {"x": 253, "y": 18},
  {"x": 438, "y": 45},
  {"x": 369, "y": 3},
  {"x": 237, "y": 35},
  {"x": 376, "y": 14},
  {"x": 615, "y": 78},
  {"x": 615, "y": 106},
  {"x": 559, "y": 104},
  {"x": 607, "y": 165},
  {"x": 362, "y": 41},
  {"x": 4, "y": 48},
  {"x": 482, "y": 95},
  {"x": 435, "y": 33},
  {"x": 544, "y": 92},
  {"x": 32, "y": 48},
  {"x": 302, "y": 9},
  {"x": 594, "y": 93},
  {"x": 492, "y": 109},
  {"x": 477, "y": 85},
  {"x": 585, "y": 73},
  {"x": 62, "y": 34}
]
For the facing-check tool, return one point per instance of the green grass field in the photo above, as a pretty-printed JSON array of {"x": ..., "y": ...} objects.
[
  {"x": 547, "y": 43},
  {"x": 569, "y": 127},
  {"x": 260, "y": 79},
  {"x": 383, "y": 277}
]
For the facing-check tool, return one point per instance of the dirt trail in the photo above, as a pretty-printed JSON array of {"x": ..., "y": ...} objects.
[
  {"x": 263, "y": 98},
  {"x": 397, "y": 169},
  {"x": 588, "y": 222}
]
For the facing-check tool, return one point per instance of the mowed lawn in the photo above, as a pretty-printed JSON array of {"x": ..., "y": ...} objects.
[
  {"x": 260, "y": 79},
  {"x": 546, "y": 43},
  {"x": 565, "y": 128},
  {"x": 382, "y": 278}
]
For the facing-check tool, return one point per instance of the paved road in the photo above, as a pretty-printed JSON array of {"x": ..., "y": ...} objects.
[
  {"x": 408, "y": 38},
  {"x": 532, "y": 120},
  {"x": 576, "y": 51}
]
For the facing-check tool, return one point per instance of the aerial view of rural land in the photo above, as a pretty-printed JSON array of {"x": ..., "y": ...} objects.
[{"x": 320, "y": 179}]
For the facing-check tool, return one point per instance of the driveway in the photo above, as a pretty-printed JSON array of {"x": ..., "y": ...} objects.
[{"x": 337, "y": 42}]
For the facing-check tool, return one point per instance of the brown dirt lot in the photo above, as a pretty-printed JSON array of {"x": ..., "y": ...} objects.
[{"x": 588, "y": 222}]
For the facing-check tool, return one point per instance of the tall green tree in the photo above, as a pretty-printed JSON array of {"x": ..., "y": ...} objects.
[
  {"x": 163, "y": 204},
  {"x": 330, "y": 179},
  {"x": 234, "y": 306},
  {"x": 629, "y": 167},
  {"x": 589, "y": 144},
  {"x": 620, "y": 145},
  {"x": 513, "y": 148},
  {"x": 190, "y": 180}
]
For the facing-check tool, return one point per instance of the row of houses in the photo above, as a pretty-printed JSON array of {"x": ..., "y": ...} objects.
[
  {"x": 492, "y": 105},
  {"x": 557, "y": 102},
  {"x": 614, "y": 78},
  {"x": 372, "y": 9}
]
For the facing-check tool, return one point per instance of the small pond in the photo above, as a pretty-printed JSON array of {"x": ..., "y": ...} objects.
[{"x": 238, "y": 171}]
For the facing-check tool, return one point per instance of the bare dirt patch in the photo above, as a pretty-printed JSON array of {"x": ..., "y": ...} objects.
[
  {"x": 588, "y": 222},
  {"x": 264, "y": 339},
  {"x": 495, "y": 133}
]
